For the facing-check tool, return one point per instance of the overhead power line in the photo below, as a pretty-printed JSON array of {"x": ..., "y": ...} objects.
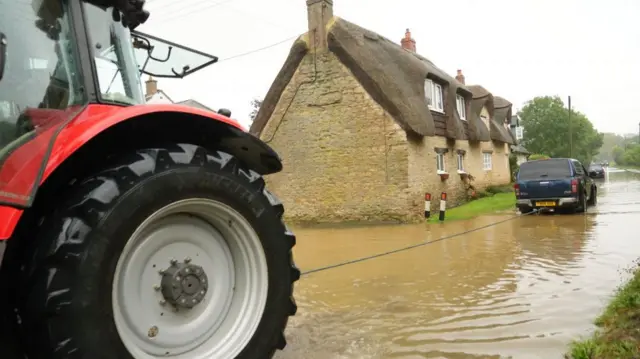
[
  {"x": 193, "y": 11},
  {"x": 259, "y": 49},
  {"x": 421, "y": 244}
]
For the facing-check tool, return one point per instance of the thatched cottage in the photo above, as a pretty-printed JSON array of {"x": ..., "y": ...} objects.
[{"x": 366, "y": 126}]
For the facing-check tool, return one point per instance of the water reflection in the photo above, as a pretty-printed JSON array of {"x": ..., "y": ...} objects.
[{"x": 524, "y": 288}]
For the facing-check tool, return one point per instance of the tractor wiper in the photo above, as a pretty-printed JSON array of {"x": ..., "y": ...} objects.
[{"x": 140, "y": 42}]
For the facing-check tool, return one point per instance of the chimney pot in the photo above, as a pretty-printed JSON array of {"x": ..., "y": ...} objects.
[
  {"x": 408, "y": 42},
  {"x": 151, "y": 87},
  {"x": 460, "y": 77}
]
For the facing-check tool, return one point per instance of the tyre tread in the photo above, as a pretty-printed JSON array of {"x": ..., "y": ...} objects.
[{"x": 83, "y": 210}]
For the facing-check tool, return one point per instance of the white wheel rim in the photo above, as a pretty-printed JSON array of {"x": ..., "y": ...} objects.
[{"x": 223, "y": 244}]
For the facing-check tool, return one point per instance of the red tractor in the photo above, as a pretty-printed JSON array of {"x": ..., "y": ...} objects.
[{"x": 128, "y": 230}]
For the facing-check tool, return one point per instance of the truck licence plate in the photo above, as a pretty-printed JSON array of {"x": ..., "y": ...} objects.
[{"x": 545, "y": 204}]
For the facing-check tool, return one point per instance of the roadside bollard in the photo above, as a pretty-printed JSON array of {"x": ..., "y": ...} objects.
[
  {"x": 443, "y": 205},
  {"x": 427, "y": 205}
]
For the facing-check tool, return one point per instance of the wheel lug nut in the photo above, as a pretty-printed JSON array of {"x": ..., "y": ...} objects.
[
  {"x": 163, "y": 302},
  {"x": 174, "y": 262},
  {"x": 187, "y": 260},
  {"x": 156, "y": 287}
]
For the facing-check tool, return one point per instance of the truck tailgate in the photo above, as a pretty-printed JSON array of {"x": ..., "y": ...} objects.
[{"x": 545, "y": 188}]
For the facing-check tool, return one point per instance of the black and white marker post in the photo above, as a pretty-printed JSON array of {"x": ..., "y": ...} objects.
[
  {"x": 427, "y": 205},
  {"x": 443, "y": 205}
]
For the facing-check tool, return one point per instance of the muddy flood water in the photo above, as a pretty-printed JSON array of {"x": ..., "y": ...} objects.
[{"x": 521, "y": 289}]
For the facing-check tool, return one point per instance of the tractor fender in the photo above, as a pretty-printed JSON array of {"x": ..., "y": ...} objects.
[{"x": 95, "y": 119}]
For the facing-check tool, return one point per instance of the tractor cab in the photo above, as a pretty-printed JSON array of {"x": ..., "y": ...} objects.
[{"x": 57, "y": 57}]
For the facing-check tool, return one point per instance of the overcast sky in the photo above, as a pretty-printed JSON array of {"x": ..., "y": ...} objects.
[{"x": 589, "y": 49}]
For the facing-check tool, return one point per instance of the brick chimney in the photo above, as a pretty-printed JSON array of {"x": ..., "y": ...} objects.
[
  {"x": 408, "y": 42},
  {"x": 319, "y": 13},
  {"x": 460, "y": 77},
  {"x": 151, "y": 87}
]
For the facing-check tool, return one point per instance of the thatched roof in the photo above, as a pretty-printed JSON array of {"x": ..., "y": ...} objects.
[
  {"x": 519, "y": 149},
  {"x": 393, "y": 76},
  {"x": 501, "y": 112},
  {"x": 481, "y": 98},
  {"x": 296, "y": 54}
]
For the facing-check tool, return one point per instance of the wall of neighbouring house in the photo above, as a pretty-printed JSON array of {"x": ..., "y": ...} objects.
[
  {"x": 344, "y": 157},
  {"x": 521, "y": 158}
]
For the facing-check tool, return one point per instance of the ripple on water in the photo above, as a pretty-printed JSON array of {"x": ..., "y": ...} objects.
[{"x": 524, "y": 288}]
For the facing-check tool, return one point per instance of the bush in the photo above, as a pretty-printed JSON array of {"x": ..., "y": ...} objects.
[
  {"x": 538, "y": 156},
  {"x": 513, "y": 166}
]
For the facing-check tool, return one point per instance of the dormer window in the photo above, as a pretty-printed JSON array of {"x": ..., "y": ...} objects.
[
  {"x": 461, "y": 106},
  {"x": 433, "y": 92}
]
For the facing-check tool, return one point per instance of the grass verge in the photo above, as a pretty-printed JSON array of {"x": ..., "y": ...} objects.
[
  {"x": 492, "y": 200},
  {"x": 618, "y": 332}
]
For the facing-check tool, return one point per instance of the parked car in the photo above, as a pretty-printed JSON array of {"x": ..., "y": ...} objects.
[
  {"x": 596, "y": 170},
  {"x": 553, "y": 184}
]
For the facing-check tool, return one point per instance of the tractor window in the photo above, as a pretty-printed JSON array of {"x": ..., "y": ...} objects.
[
  {"x": 118, "y": 73},
  {"x": 42, "y": 86}
]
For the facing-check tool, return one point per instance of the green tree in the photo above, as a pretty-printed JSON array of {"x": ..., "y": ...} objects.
[
  {"x": 546, "y": 130},
  {"x": 538, "y": 156},
  {"x": 617, "y": 153},
  {"x": 609, "y": 142},
  {"x": 255, "y": 107}
]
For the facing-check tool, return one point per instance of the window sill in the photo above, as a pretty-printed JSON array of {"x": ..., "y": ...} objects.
[
  {"x": 436, "y": 110},
  {"x": 463, "y": 119},
  {"x": 443, "y": 175},
  {"x": 462, "y": 172}
]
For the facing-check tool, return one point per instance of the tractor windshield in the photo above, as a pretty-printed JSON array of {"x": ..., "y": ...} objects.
[
  {"x": 114, "y": 57},
  {"x": 41, "y": 87}
]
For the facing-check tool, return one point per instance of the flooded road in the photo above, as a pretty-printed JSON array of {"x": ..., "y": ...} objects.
[{"x": 523, "y": 289}]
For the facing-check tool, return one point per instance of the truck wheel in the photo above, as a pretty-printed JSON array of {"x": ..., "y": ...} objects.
[
  {"x": 582, "y": 206},
  {"x": 594, "y": 196},
  {"x": 168, "y": 252}
]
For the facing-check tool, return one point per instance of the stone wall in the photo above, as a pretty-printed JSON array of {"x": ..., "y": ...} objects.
[{"x": 345, "y": 158}]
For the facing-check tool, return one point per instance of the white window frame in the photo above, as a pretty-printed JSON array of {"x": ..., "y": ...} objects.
[
  {"x": 461, "y": 107},
  {"x": 519, "y": 132},
  {"x": 441, "y": 165},
  {"x": 434, "y": 95},
  {"x": 460, "y": 157},
  {"x": 487, "y": 161}
]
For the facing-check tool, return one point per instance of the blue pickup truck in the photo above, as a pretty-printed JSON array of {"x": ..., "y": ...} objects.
[{"x": 554, "y": 184}]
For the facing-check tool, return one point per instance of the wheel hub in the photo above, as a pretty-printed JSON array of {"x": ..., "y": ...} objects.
[{"x": 184, "y": 284}]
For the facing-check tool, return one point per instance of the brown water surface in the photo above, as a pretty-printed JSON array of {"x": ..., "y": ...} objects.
[{"x": 521, "y": 289}]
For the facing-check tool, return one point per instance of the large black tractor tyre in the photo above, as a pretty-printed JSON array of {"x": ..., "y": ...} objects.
[{"x": 65, "y": 303}]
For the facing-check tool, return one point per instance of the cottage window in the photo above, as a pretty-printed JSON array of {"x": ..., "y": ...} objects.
[
  {"x": 461, "y": 107},
  {"x": 519, "y": 133},
  {"x": 461, "y": 162},
  {"x": 440, "y": 162},
  {"x": 486, "y": 161},
  {"x": 433, "y": 92}
]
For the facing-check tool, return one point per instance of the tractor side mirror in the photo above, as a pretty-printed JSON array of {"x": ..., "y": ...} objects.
[
  {"x": 225, "y": 112},
  {"x": 3, "y": 54}
]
